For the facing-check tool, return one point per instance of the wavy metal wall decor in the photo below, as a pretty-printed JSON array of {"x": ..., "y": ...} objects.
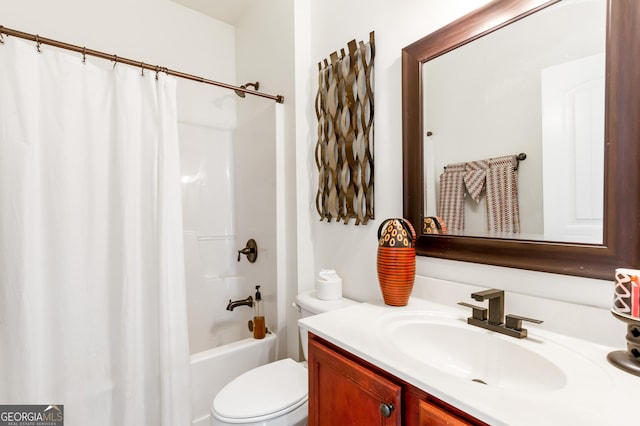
[{"x": 344, "y": 149}]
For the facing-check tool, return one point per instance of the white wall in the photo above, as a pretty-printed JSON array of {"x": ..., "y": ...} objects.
[{"x": 349, "y": 249}]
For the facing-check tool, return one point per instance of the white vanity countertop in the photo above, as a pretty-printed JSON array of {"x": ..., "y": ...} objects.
[{"x": 595, "y": 393}]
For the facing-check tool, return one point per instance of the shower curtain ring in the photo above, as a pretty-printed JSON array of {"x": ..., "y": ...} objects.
[
  {"x": 84, "y": 55},
  {"x": 157, "y": 71},
  {"x": 1, "y": 35},
  {"x": 38, "y": 44},
  {"x": 141, "y": 69},
  {"x": 115, "y": 61}
]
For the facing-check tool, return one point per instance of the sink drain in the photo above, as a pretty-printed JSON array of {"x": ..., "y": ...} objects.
[{"x": 479, "y": 381}]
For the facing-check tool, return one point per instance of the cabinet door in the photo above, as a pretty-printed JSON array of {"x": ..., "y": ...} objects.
[
  {"x": 343, "y": 392},
  {"x": 432, "y": 415}
]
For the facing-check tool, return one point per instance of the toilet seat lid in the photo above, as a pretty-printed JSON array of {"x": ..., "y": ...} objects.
[{"x": 263, "y": 391}]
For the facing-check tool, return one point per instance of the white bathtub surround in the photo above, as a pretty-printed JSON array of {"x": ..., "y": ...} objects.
[
  {"x": 210, "y": 324},
  {"x": 257, "y": 148},
  {"x": 228, "y": 197},
  {"x": 92, "y": 302},
  {"x": 228, "y": 187},
  {"x": 211, "y": 370},
  {"x": 551, "y": 379},
  {"x": 207, "y": 176}
]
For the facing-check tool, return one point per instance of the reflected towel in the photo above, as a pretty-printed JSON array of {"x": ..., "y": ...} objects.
[
  {"x": 474, "y": 178},
  {"x": 451, "y": 201},
  {"x": 503, "y": 211}
]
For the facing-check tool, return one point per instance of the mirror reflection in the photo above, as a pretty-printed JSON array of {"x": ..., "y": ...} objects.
[{"x": 534, "y": 87}]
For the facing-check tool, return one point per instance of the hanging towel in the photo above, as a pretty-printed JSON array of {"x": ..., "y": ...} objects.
[
  {"x": 503, "y": 211},
  {"x": 451, "y": 202},
  {"x": 475, "y": 176}
]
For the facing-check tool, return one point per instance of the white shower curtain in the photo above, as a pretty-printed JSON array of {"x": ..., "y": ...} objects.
[{"x": 92, "y": 296}]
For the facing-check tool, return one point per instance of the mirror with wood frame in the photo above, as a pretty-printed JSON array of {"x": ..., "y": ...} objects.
[
  {"x": 620, "y": 245},
  {"x": 534, "y": 87}
]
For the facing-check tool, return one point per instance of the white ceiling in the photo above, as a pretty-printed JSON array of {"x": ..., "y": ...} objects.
[{"x": 228, "y": 11}]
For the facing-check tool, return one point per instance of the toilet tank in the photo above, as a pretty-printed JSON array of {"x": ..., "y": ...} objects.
[{"x": 308, "y": 304}]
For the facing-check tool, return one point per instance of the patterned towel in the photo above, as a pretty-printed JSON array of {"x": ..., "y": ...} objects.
[
  {"x": 503, "y": 211},
  {"x": 475, "y": 176},
  {"x": 451, "y": 200}
]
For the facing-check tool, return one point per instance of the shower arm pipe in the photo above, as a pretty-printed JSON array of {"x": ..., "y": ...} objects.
[{"x": 120, "y": 60}]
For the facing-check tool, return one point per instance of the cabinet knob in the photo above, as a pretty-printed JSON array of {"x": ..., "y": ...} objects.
[{"x": 386, "y": 409}]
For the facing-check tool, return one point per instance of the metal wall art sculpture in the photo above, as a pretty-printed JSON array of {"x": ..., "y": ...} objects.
[{"x": 344, "y": 149}]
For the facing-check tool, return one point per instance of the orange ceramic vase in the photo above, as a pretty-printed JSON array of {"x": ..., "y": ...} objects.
[{"x": 396, "y": 261}]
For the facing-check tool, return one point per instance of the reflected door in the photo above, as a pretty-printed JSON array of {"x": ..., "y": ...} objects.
[{"x": 573, "y": 150}]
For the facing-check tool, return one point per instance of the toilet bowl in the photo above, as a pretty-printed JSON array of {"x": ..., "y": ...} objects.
[{"x": 275, "y": 394}]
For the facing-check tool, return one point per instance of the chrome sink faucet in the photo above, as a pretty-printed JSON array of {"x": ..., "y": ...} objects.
[{"x": 511, "y": 325}]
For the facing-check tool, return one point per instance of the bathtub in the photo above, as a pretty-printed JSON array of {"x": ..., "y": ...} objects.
[{"x": 214, "y": 368}]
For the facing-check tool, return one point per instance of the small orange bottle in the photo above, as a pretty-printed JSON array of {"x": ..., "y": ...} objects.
[{"x": 259, "y": 326}]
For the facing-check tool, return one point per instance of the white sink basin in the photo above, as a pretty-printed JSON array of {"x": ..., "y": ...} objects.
[
  {"x": 450, "y": 345},
  {"x": 546, "y": 378}
]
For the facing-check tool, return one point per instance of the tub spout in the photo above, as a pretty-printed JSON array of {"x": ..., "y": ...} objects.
[{"x": 244, "y": 302}]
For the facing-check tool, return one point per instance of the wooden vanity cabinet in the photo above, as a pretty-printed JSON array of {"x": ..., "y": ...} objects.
[
  {"x": 346, "y": 390},
  {"x": 343, "y": 392},
  {"x": 432, "y": 415}
]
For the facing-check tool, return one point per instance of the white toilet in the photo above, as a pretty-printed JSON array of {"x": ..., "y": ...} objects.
[{"x": 274, "y": 394}]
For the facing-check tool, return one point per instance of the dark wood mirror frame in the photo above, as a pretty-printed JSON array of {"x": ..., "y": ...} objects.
[{"x": 621, "y": 239}]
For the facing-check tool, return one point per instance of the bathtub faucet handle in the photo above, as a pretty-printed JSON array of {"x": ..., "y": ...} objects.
[{"x": 250, "y": 250}]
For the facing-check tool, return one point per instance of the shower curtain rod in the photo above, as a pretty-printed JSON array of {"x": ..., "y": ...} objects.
[{"x": 119, "y": 60}]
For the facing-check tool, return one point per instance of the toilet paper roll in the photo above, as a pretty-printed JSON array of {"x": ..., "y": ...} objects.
[
  {"x": 329, "y": 289},
  {"x": 328, "y": 274}
]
